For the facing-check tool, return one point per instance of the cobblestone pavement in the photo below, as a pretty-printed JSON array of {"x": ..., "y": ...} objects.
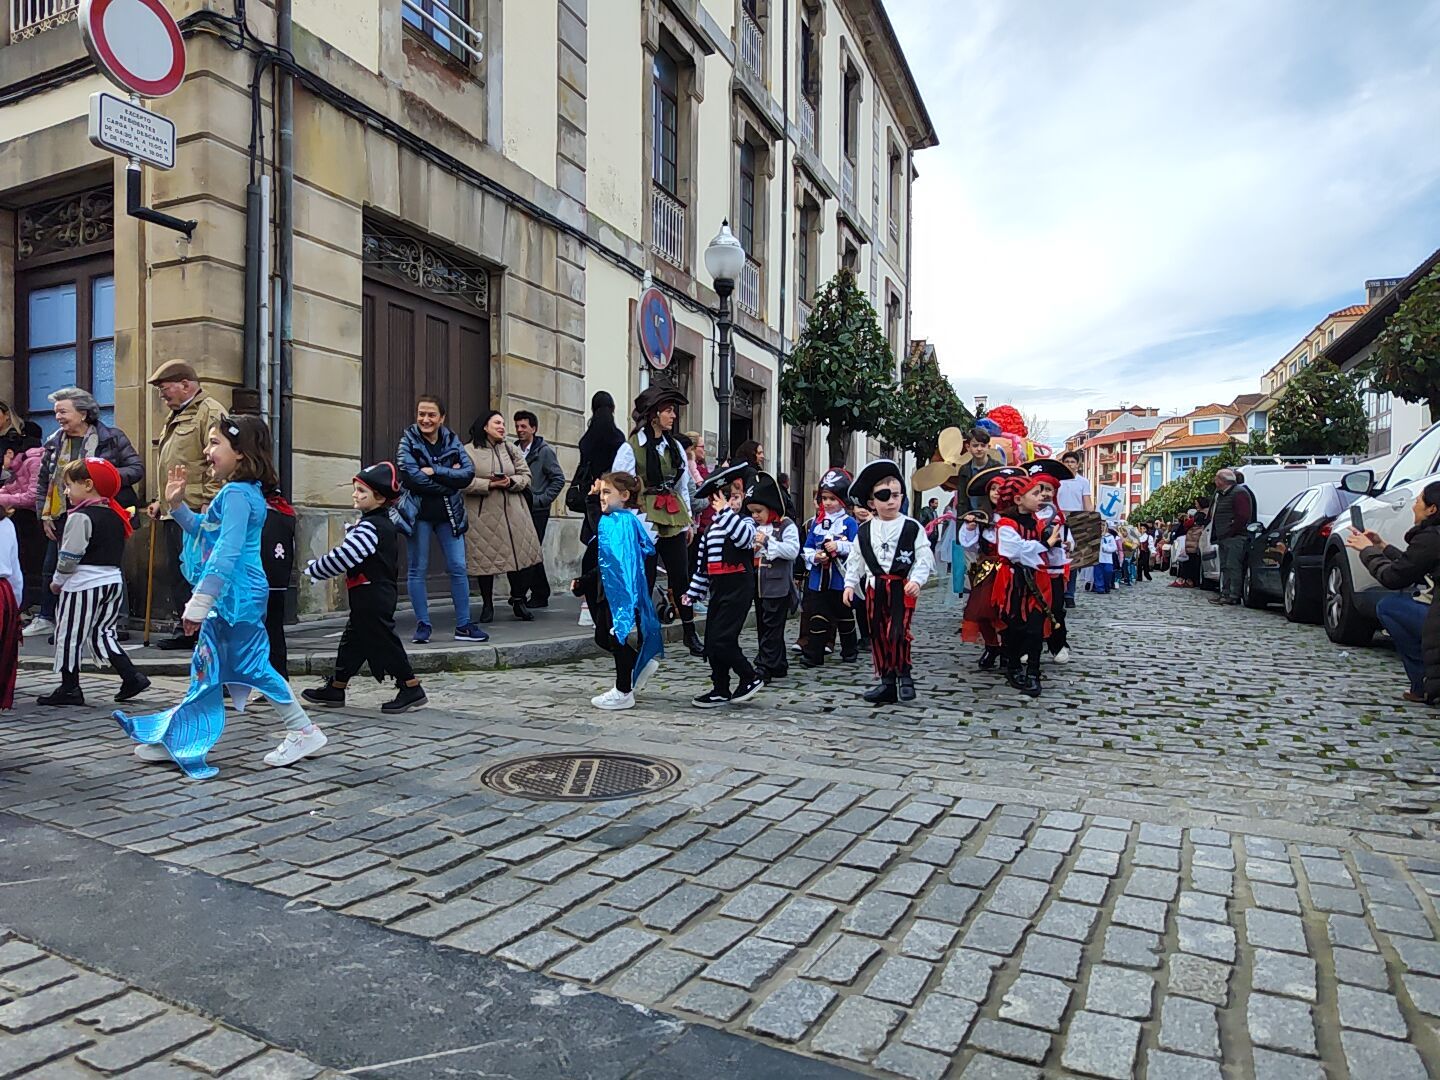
[
  {"x": 1208, "y": 851},
  {"x": 59, "y": 1021}
]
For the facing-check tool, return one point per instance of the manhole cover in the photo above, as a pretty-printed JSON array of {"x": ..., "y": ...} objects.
[{"x": 580, "y": 777}]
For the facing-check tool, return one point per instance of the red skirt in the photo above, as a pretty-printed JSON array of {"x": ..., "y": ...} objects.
[
  {"x": 982, "y": 617},
  {"x": 9, "y": 644}
]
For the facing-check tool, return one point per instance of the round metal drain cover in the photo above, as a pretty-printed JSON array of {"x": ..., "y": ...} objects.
[{"x": 580, "y": 777}]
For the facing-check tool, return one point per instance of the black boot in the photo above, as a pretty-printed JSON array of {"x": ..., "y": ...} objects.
[
  {"x": 405, "y": 699},
  {"x": 67, "y": 693},
  {"x": 1015, "y": 675},
  {"x": 178, "y": 643},
  {"x": 851, "y": 646},
  {"x": 989, "y": 658},
  {"x": 521, "y": 611},
  {"x": 692, "y": 640},
  {"x": 132, "y": 683},
  {"x": 1029, "y": 685},
  {"x": 905, "y": 687},
  {"x": 328, "y": 696},
  {"x": 487, "y": 612},
  {"x": 883, "y": 692}
]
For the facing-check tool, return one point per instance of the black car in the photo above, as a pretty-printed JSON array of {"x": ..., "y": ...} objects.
[{"x": 1287, "y": 556}]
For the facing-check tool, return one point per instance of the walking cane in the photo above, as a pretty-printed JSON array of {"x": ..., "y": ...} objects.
[{"x": 150, "y": 582}]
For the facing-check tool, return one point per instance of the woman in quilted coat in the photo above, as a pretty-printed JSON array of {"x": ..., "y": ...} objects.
[{"x": 501, "y": 536}]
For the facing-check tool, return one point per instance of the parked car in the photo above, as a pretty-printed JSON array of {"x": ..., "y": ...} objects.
[
  {"x": 1287, "y": 557},
  {"x": 1273, "y": 486},
  {"x": 1350, "y": 592}
]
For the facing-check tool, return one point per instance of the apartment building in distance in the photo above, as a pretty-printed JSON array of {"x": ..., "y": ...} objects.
[
  {"x": 479, "y": 189},
  {"x": 1111, "y": 445}
]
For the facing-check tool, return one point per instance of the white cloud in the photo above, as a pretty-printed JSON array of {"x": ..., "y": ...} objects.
[{"x": 1152, "y": 202}]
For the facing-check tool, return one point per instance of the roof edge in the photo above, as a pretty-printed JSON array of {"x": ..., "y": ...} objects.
[{"x": 923, "y": 136}]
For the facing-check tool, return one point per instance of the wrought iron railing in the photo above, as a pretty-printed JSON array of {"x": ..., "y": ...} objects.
[
  {"x": 894, "y": 231},
  {"x": 807, "y": 124},
  {"x": 30, "y": 17},
  {"x": 752, "y": 44},
  {"x": 802, "y": 315},
  {"x": 750, "y": 287},
  {"x": 847, "y": 180},
  {"x": 667, "y": 226},
  {"x": 445, "y": 26}
]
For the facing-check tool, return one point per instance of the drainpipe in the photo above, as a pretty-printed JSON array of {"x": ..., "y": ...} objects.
[
  {"x": 781, "y": 447},
  {"x": 246, "y": 397},
  {"x": 285, "y": 253}
]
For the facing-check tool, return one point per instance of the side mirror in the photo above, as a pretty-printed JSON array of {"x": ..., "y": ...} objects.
[
  {"x": 1359, "y": 482},
  {"x": 1255, "y": 528}
]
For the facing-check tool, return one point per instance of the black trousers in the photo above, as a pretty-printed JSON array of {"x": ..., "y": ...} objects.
[
  {"x": 674, "y": 555},
  {"x": 1059, "y": 636},
  {"x": 770, "y": 615},
  {"x": 519, "y": 582},
  {"x": 275, "y": 631},
  {"x": 1142, "y": 565},
  {"x": 1024, "y": 636},
  {"x": 824, "y": 610},
  {"x": 48, "y": 600},
  {"x": 730, "y": 598},
  {"x": 180, "y": 588},
  {"x": 539, "y": 579},
  {"x": 370, "y": 638}
]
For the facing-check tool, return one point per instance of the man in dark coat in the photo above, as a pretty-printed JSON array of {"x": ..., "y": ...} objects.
[
  {"x": 547, "y": 481},
  {"x": 1232, "y": 516}
]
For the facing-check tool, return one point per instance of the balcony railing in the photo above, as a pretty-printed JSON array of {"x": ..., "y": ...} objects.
[
  {"x": 750, "y": 287},
  {"x": 752, "y": 45},
  {"x": 847, "y": 181},
  {"x": 30, "y": 17},
  {"x": 807, "y": 124},
  {"x": 802, "y": 315},
  {"x": 894, "y": 231},
  {"x": 438, "y": 21},
  {"x": 667, "y": 227}
]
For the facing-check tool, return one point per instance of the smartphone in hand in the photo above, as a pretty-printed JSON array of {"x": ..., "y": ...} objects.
[{"x": 1357, "y": 519}]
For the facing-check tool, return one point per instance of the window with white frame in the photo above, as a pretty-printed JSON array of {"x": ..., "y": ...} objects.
[
  {"x": 1210, "y": 426},
  {"x": 1181, "y": 464}
]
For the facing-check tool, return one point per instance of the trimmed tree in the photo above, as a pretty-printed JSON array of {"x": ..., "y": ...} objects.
[
  {"x": 923, "y": 405},
  {"x": 842, "y": 371},
  {"x": 1319, "y": 413},
  {"x": 1406, "y": 361}
]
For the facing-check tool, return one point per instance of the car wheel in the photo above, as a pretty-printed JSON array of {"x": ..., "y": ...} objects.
[
  {"x": 1299, "y": 608},
  {"x": 1344, "y": 625},
  {"x": 1250, "y": 596}
]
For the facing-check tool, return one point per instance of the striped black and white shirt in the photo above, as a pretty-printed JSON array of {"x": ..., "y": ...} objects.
[
  {"x": 739, "y": 530},
  {"x": 361, "y": 541}
]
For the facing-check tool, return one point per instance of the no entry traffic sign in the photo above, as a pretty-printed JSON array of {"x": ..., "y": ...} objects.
[{"x": 136, "y": 43}]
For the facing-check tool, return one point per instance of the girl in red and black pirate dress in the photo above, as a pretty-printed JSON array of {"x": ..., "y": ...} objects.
[
  {"x": 984, "y": 619},
  {"x": 1023, "y": 582}
]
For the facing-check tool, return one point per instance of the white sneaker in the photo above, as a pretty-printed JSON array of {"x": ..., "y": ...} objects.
[
  {"x": 151, "y": 752},
  {"x": 585, "y": 618},
  {"x": 38, "y": 626},
  {"x": 613, "y": 699},
  {"x": 297, "y": 744},
  {"x": 649, "y": 669},
  {"x": 1063, "y": 656}
]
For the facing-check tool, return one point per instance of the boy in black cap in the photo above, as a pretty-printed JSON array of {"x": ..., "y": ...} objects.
[
  {"x": 369, "y": 557},
  {"x": 777, "y": 543},
  {"x": 892, "y": 558},
  {"x": 726, "y": 574},
  {"x": 825, "y": 548}
]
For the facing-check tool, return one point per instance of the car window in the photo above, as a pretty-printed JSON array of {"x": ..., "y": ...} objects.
[
  {"x": 1284, "y": 517},
  {"x": 1417, "y": 462},
  {"x": 1303, "y": 506}
]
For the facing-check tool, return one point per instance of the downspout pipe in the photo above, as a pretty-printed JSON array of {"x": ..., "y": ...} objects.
[
  {"x": 285, "y": 246},
  {"x": 781, "y": 449},
  {"x": 246, "y": 397}
]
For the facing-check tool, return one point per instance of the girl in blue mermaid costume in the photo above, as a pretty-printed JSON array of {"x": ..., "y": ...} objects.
[{"x": 221, "y": 560}]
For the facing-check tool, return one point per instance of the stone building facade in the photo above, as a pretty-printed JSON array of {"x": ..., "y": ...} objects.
[{"x": 479, "y": 188}]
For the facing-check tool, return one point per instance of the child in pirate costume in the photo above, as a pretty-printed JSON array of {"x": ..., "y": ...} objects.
[
  {"x": 369, "y": 558},
  {"x": 777, "y": 543},
  {"x": 618, "y": 590},
  {"x": 826, "y": 546},
  {"x": 726, "y": 575},
  {"x": 88, "y": 582},
  {"x": 1058, "y": 561},
  {"x": 983, "y": 619},
  {"x": 654, "y": 454},
  {"x": 891, "y": 558},
  {"x": 1023, "y": 583}
]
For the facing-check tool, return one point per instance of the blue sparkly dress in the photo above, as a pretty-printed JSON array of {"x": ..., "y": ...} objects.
[{"x": 221, "y": 558}]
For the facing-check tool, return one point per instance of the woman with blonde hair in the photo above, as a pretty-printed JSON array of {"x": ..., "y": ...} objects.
[{"x": 501, "y": 537}]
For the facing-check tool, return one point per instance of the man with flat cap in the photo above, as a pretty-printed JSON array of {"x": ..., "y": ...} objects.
[{"x": 182, "y": 442}]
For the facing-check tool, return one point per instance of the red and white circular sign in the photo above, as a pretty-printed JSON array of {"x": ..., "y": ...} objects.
[{"x": 136, "y": 43}]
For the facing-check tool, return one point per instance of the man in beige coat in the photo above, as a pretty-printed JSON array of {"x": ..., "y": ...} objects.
[{"x": 182, "y": 442}]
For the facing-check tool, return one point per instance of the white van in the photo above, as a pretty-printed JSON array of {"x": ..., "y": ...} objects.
[{"x": 1274, "y": 485}]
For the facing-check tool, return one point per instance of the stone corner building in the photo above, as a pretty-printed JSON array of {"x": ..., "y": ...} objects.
[{"x": 478, "y": 188}]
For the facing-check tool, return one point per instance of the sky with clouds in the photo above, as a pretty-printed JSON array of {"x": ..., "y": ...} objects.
[{"x": 1151, "y": 202}]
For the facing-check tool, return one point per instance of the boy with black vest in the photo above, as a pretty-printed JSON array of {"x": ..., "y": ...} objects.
[
  {"x": 369, "y": 557},
  {"x": 827, "y": 544},
  {"x": 777, "y": 543},
  {"x": 725, "y": 572},
  {"x": 892, "y": 558}
]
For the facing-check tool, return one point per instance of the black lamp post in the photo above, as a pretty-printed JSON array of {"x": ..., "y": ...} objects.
[{"x": 725, "y": 260}]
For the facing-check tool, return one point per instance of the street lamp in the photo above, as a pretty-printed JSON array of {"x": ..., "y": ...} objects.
[{"x": 724, "y": 261}]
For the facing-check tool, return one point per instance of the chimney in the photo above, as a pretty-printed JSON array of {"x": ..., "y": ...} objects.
[{"x": 1376, "y": 288}]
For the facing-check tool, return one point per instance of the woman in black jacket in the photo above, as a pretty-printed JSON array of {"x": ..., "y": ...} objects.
[{"x": 1410, "y": 616}]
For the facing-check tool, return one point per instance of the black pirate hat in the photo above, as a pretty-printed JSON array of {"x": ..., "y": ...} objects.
[
  {"x": 865, "y": 481},
  {"x": 654, "y": 398},
  {"x": 837, "y": 482},
  {"x": 1057, "y": 470},
  {"x": 381, "y": 478},
  {"x": 764, "y": 491},
  {"x": 721, "y": 479},
  {"x": 981, "y": 481}
]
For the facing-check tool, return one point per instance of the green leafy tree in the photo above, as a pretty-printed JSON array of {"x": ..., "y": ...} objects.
[
  {"x": 1171, "y": 500},
  {"x": 1406, "y": 361},
  {"x": 1320, "y": 412},
  {"x": 923, "y": 405},
  {"x": 842, "y": 371}
]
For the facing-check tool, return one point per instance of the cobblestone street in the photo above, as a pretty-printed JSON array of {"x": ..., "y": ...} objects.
[{"x": 1209, "y": 850}]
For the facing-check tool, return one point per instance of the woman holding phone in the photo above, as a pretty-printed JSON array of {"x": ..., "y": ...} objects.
[
  {"x": 501, "y": 537},
  {"x": 1410, "y": 615}
]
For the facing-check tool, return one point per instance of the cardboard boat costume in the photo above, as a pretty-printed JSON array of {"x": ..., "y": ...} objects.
[
  {"x": 221, "y": 558},
  {"x": 822, "y": 608},
  {"x": 885, "y": 557}
]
